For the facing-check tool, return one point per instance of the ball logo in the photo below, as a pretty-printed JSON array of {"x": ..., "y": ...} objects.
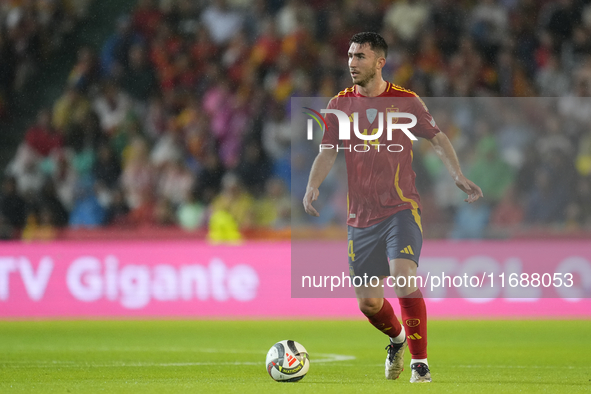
[
  {"x": 290, "y": 359},
  {"x": 413, "y": 322}
]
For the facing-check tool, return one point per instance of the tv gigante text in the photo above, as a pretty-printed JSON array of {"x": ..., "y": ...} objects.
[{"x": 370, "y": 140}]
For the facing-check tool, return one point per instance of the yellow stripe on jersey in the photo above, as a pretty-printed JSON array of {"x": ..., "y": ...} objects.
[
  {"x": 401, "y": 89},
  {"x": 347, "y": 202},
  {"x": 344, "y": 92},
  {"x": 413, "y": 203}
]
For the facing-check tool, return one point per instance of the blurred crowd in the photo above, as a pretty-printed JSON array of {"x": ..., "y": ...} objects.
[
  {"x": 182, "y": 116},
  {"x": 30, "y": 31}
]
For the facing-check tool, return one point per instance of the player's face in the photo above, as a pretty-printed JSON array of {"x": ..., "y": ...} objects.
[{"x": 363, "y": 63}]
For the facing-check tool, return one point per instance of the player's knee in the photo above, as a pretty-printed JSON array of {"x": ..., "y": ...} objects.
[
  {"x": 403, "y": 269},
  {"x": 370, "y": 306}
]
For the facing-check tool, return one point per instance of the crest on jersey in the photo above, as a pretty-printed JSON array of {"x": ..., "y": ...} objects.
[
  {"x": 392, "y": 109},
  {"x": 371, "y": 114}
]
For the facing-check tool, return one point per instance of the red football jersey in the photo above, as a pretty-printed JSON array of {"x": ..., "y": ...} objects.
[{"x": 380, "y": 175}]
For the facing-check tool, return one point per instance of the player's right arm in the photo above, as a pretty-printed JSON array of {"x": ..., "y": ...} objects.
[{"x": 320, "y": 169}]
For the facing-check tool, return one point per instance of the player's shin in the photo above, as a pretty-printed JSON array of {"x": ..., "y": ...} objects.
[
  {"x": 414, "y": 318},
  {"x": 385, "y": 320}
]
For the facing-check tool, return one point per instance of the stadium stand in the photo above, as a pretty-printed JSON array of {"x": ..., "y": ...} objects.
[{"x": 184, "y": 112}]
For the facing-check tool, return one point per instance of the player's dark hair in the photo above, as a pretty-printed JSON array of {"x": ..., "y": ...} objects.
[{"x": 375, "y": 41}]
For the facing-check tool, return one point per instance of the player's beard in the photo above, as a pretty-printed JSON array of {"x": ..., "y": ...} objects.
[{"x": 366, "y": 80}]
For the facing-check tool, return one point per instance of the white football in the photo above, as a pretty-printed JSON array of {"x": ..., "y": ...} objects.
[{"x": 287, "y": 361}]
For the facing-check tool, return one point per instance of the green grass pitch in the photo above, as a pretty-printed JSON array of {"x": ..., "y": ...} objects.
[{"x": 228, "y": 357}]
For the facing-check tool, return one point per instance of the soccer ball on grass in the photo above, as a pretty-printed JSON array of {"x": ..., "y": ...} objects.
[{"x": 287, "y": 361}]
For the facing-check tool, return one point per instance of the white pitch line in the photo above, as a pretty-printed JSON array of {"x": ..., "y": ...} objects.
[
  {"x": 328, "y": 358},
  {"x": 518, "y": 366},
  {"x": 137, "y": 349},
  {"x": 323, "y": 358}
]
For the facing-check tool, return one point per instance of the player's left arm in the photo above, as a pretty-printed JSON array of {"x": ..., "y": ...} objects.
[{"x": 447, "y": 154}]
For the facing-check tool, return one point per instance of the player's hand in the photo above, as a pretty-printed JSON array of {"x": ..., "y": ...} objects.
[
  {"x": 470, "y": 188},
  {"x": 310, "y": 196}
]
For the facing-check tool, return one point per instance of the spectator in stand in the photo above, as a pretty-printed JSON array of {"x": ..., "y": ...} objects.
[
  {"x": 490, "y": 170},
  {"x": 551, "y": 80},
  {"x": 138, "y": 177},
  {"x": 471, "y": 221},
  {"x": 143, "y": 215},
  {"x": 295, "y": 14},
  {"x": 193, "y": 124},
  {"x": 274, "y": 208},
  {"x": 235, "y": 57},
  {"x": 39, "y": 226},
  {"x": 165, "y": 47},
  {"x": 276, "y": 139},
  {"x": 42, "y": 137},
  {"x": 24, "y": 30},
  {"x": 118, "y": 210},
  {"x": 254, "y": 168},
  {"x": 175, "y": 182},
  {"x": 267, "y": 46},
  {"x": 146, "y": 18},
  {"x": 125, "y": 134},
  {"x": 582, "y": 199},
  {"x": 115, "y": 51},
  {"x": 139, "y": 80},
  {"x": 366, "y": 16},
  {"x": 164, "y": 212},
  {"x": 186, "y": 13},
  {"x": 228, "y": 115},
  {"x": 276, "y": 133},
  {"x": 86, "y": 72},
  {"x": 155, "y": 121},
  {"x": 26, "y": 170},
  {"x": 169, "y": 147},
  {"x": 81, "y": 154},
  {"x": 13, "y": 207},
  {"x": 111, "y": 106},
  {"x": 545, "y": 204},
  {"x": 210, "y": 178},
  {"x": 87, "y": 210},
  {"x": 560, "y": 18},
  {"x": 7, "y": 231},
  {"x": 51, "y": 209},
  {"x": 407, "y": 18},
  {"x": 8, "y": 67},
  {"x": 202, "y": 49},
  {"x": 221, "y": 21},
  {"x": 235, "y": 201},
  {"x": 107, "y": 168},
  {"x": 448, "y": 18},
  {"x": 191, "y": 213},
  {"x": 489, "y": 22},
  {"x": 64, "y": 177},
  {"x": 70, "y": 109},
  {"x": 507, "y": 216},
  {"x": 583, "y": 160}
]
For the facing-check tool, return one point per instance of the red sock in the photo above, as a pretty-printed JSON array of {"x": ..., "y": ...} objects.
[
  {"x": 414, "y": 318},
  {"x": 385, "y": 320}
]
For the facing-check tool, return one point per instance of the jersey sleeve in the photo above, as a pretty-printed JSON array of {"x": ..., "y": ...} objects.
[
  {"x": 331, "y": 132},
  {"x": 426, "y": 126}
]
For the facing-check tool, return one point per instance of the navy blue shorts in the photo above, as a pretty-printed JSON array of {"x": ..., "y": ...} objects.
[{"x": 371, "y": 248}]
